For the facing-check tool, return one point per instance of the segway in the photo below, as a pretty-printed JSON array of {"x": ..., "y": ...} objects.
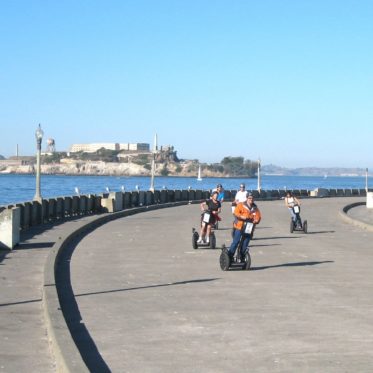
[
  {"x": 297, "y": 224},
  {"x": 206, "y": 216},
  {"x": 211, "y": 244},
  {"x": 237, "y": 261}
]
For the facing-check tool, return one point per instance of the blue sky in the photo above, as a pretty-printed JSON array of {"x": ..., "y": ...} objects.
[{"x": 287, "y": 81}]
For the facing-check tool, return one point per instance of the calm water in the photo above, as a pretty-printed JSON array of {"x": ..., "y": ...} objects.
[{"x": 20, "y": 188}]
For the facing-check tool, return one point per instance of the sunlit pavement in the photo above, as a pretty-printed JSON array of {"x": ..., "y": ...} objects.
[{"x": 151, "y": 303}]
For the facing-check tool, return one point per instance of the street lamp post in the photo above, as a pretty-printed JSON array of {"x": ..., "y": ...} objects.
[
  {"x": 153, "y": 164},
  {"x": 259, "y": 180},
  {"x": 366, "y": 180},
  {"x": 39, "y": 137}
]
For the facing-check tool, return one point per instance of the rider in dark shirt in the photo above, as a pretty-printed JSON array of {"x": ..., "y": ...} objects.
[{"x": 210, "y": 208}]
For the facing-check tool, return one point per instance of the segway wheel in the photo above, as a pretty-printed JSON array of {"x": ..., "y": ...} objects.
[
  {"x": 195, "y": 237},
  {"x": 247, "y": 263},
  {"x": 305, "y": 226},
  {"x": 212, "y": 241},
  {"x": 224, "y": 260},
  {"x": 291, "y": 226}
]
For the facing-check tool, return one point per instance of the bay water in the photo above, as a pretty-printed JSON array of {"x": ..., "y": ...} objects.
[{"x": 16, "y": 188}]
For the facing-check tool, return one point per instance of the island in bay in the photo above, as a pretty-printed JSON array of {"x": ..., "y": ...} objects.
[{"x": 136, "y": 160}]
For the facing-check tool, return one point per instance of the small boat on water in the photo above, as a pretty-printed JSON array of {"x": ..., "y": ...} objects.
[{"x": 199, "y": 178}]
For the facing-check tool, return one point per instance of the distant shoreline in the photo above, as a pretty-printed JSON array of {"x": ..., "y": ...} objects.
[
  {"x": 178, "y": 175},
  {"x": 117, "y": 175}
]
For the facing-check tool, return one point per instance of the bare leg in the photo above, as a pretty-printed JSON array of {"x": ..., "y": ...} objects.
[
  {"x": 208, "y": 230},
  {"x": 203, "y": 232}
]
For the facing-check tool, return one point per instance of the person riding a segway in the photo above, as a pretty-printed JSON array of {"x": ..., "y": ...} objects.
[
  {"x": 221, "y": 195},
  {"x": 293, "y": 204},
  {"x": 247, "y": 215},
  {"x": 210, "y": 214},
  {"x": 290, "y": 202}
]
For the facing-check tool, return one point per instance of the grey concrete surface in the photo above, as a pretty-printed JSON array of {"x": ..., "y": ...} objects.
[
  {"x": 24, "y": 344},
  {"x": 151, "y": 303}
]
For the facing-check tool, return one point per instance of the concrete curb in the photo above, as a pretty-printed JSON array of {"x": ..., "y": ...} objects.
[
  {"x": 63, "y": 347},
  {"x": 355, "y": 222}
]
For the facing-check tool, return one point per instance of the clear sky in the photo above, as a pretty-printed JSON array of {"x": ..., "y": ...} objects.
[{"x": 289, "y": 81}]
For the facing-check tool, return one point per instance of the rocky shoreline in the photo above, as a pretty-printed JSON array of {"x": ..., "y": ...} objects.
[{"x": 109, "y": 169}]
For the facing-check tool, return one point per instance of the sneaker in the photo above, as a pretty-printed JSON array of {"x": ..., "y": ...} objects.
[
  {"x": 207, "y": 241},
  {"x": 200, "y": 240}
]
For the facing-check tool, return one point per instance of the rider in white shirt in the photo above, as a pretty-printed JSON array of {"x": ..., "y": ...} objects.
[
  {"x": 290, "y": 202},
  {"x": 239, "y": 197}
]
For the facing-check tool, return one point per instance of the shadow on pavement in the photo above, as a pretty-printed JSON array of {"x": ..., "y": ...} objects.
[
  {"x": 272, "y": 244},
  {"x": 274, "y": 238},
  {"x": 298, "y": 264},
  {"x": 36, "y": 245},
  {"x": 20, "y": 302},
  {"x": 147, "y": 287},
  {"x": 319, "y": 232},
  {"x": 80, "y": 334},
  {"x": 3, "y": 253}
]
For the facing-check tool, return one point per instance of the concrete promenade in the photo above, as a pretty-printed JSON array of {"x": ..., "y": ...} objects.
[{"x": 150, "y": 303}]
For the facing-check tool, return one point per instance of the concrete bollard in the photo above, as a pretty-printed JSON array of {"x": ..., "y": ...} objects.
[
  {"x": 157, "y": 196},
  {"x": 113, "y": 202},
  {"x": 10, "y": 224},
  {"x": 67, "y": 205},
  {"x": 206, "y": 194},
  {"x": 36, "y": 213},
  {"x": 198, "y": 195},
  {"x": 362, "y": 192},
  {"x": 149, "y": 198},
  {"x": 171, "y": 196},
  {"x": 255, "y": 193},
  {"x": 322, "y": 192},
  {"x": 60, "y": 208},
  {"x": 82, "y": 205},
  {"x": 348, "y": 192},
  {"x": 44, "y": 210},
  {"x": 127, "y": 200},
  {"x": 90, "y": 203},
  {"x": 142, "y": 198},
  {"x": 75, "y": 205},
  {"x": 192, "y": 195},
  {"x": 282, "y": 193},
  {"x": 370, "y": 200},
  {"x": 26, "y": 218},
  {"x": 185, "y": 195},
  {"x": 135, "y": 199},
  {"x": 52, "y": 209},
  {"x": 177, "y": 195},
  {"x": 164, "y": 196}
]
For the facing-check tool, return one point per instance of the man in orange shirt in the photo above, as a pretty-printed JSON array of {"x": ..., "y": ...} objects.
[{"x": 245, "y": 212}]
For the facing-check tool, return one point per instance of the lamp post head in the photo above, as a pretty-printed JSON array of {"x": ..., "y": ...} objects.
[
  {"x": 39, "y": 133},
  {"x": 39, "y": 136}
]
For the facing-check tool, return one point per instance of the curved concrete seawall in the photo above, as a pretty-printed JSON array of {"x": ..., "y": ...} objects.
[{"x": 357, "y": 214}]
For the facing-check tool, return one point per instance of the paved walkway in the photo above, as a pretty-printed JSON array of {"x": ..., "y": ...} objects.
[
  {"x": 23, "y": 341},
  {"x": 151, "y": 303}
]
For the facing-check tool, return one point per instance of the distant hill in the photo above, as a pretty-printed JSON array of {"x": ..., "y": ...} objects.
[
  {"x": 312, "y": 171},
  {"x": 2, "y": 157}
]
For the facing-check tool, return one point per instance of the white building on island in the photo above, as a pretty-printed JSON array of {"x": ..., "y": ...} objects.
[{"x": 92, "y": 148}]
